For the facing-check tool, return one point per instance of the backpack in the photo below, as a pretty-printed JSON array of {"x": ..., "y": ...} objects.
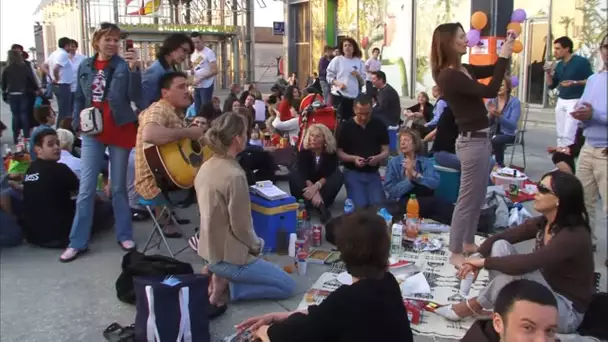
[{"x": 136, "y": 264}]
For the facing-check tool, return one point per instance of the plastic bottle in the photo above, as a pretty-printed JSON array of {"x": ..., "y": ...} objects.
[
  {"x": 349, "y": 206},
  {"x": 291, "y": 249},
  {"x": 412, "y": 208}
]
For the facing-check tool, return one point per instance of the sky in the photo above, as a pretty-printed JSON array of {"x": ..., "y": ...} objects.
[{"x": 17, "y": 20}]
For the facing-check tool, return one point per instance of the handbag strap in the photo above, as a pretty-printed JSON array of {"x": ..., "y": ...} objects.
[
  {"x": 185, "y": 332},
  {"x": 152, "y": 334}
]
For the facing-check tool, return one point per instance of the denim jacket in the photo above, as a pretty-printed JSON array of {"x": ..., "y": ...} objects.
[
  {"x": 125, "y": 87},
  {"x": 151, "y": 83},
  {"x": 510, "y": 115},
  {"x": 397, "y": 185}
]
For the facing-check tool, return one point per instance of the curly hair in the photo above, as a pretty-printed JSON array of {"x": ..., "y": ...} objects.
[{"x": 330, "y": 141}]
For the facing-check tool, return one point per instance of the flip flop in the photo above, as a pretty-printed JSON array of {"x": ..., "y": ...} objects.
[
  {"x": 117, "y": 333},
  {"x": 193, "y": 242},
  {"x": 78, "y": 253}
]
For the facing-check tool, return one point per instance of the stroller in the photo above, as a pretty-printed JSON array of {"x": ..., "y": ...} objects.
[{"x": 314, "y": 111}]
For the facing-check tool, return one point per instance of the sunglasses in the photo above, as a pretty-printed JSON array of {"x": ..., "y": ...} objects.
[
  {"x": 542, "y": 189},
  {"x": 108, "y": 26}
]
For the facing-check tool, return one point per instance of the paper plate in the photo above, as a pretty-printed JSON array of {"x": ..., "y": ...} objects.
[{"x": 345, "y": 278}]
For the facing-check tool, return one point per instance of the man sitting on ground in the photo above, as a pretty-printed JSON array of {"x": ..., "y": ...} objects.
[
  {"x": 525, "y": 311},
  {"x": 160, "y": 124}
]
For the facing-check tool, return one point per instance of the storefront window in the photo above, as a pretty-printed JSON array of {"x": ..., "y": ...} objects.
[
  {"x": 318, "y": 32},
  {"x": 430, "y": 14}
]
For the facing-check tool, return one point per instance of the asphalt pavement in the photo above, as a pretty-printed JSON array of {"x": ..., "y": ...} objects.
[{"x": 42, "y": 299}]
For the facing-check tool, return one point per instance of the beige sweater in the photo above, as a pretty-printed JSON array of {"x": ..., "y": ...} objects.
[{"x": 226, "y": 229}]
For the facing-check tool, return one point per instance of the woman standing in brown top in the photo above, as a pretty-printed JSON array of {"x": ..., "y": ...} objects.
[
  {"x": 465, "y": 95},
  {"x": 227, "y": 239},
  {"x": 562, "y": 259}
]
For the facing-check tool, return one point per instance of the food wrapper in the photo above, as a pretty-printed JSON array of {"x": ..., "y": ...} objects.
[
  {"x": 424, "y": 244},
  {"x": 414, "y": 309},
  {"x": 386, "y": 216}
]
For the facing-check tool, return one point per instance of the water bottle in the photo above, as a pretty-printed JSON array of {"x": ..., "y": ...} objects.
[{"x": 349, "y": 206}]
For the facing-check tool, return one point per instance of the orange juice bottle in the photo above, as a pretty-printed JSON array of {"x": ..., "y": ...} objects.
[{"x": 413, "y": 208}]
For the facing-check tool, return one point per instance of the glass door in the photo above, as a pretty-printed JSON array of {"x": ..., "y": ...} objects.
[{"x": 537, "y": 46}]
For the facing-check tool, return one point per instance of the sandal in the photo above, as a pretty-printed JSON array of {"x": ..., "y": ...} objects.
[
  {"x": 130, "y": 245},
  {"x": 193, "y": 242},
  {"x": 71, "y": 254},
  {"x": 117, "y": 333}
]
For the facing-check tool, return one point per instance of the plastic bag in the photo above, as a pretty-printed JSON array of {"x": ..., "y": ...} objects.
[
  {"x": 518, "y": 215},
  {"x": 495, "y": 197}
]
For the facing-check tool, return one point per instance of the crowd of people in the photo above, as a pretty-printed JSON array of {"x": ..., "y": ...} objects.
[{"x": 80, "y": 172}]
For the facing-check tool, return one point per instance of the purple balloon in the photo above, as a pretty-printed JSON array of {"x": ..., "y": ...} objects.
[
  {"x": 518, "y": 16},
  {"x": 514, "y": 81},
  {"x": 473, "y": 37}
]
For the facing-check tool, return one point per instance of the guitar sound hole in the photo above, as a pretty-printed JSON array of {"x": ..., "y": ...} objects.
[{"x": 196, "y": 147}]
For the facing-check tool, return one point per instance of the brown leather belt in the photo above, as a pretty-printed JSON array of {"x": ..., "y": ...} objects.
[{"x": 476, "y": 134}]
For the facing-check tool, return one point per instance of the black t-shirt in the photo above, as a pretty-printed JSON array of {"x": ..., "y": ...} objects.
[
  {"x": 48, "y": 206},
  {"x": 363, "y": 142},
  {"x": 447, "y": 132},
  {"x": 367, "y": 311}
]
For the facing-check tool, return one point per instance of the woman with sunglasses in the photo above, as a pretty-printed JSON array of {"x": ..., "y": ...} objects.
[
  {"x": 561, "y": 260},
  {"x": 109, "y": 83}
]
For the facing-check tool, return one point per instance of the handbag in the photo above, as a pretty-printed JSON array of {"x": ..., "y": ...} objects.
[
  {"x": 91, "y": 118},
  {"x": 172, "y": 309}
]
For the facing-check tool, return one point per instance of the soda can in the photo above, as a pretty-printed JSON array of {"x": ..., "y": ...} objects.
[
  {"x": 316, "y": 236},
  {"x": 302, "y": 262}
]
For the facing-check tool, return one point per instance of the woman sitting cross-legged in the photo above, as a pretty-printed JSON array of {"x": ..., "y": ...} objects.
[
  {"x": 317, "y": 178},
  {"x": 562, "y": 259},
  {"x": 371, "y": 309},
  {"x": 412, "y": 174},
  {"x": 227, "y": 239}
]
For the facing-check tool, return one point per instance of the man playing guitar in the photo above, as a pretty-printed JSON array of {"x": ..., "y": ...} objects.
[{"x": 163, "y": 123}]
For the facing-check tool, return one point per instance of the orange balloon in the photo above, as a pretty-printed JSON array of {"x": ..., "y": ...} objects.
[
  {"x": 518, "y": 46},
  {"x": 479, "y": 20},
  {"x": 516, "y": 27}
]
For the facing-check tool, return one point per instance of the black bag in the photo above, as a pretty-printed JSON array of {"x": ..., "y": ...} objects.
[
  {"x": 136, "y": 264},
  {"x": 593, "y": 324}
]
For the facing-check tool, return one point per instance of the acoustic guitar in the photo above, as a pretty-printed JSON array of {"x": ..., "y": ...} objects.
[{"x": 176, "y": 164}]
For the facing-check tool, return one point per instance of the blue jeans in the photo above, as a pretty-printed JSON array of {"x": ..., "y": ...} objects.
[
  {"x": 364, "y": 188},
  {"x": 447, "y": 159},
  {"x": 10, "y": 232},
  {"x": 21, "y": 116},
  {"x": 63, "y": 93},
  {"x": 91, "y": 159},
  {"x": 259, "y": 279},
  {"x": 202, "y": 96},
  {"x": 133, "y": 195},
  {"x": 499, "y": 142}
]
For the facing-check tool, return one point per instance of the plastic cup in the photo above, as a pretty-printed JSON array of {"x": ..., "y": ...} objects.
[{"x": 302, "y": 266}]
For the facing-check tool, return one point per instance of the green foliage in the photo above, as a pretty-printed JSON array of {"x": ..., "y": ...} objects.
[{"x": 593, "y": 29}]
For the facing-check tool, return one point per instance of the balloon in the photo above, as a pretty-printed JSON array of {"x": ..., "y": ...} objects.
[
  {"x": 515, "y": 27},
  {"x": 518, "y": 46},
  {"x": 473, "y": 37},
  {"x": 479, "y": 20},
  {"x": 518, "y": 16},
  {"x": 514, "y": 81}
]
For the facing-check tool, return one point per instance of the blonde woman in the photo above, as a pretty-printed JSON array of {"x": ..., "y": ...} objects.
[
  {"x": 227, "y": 238},
  {"x": 317, "y": 178},
  {"x": 66, "y": 144},
  {"x": 110, "y": 83}
]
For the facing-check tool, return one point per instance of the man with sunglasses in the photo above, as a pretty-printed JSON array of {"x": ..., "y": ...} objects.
[{"x": 592, "y": 168}]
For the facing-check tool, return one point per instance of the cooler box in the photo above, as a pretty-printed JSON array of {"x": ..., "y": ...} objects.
[
  {"x": 392, "y": 138},
  {"x": 271, "y": 216},
  {"x": 449, "y": 183}
]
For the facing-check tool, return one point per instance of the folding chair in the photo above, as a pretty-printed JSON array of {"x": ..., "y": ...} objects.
[
  {"x": 157, "y": 229},
  {"x": 519, "y": 135}
]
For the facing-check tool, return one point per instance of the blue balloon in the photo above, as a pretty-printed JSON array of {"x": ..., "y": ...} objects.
[{"x": 518, "y": 16}]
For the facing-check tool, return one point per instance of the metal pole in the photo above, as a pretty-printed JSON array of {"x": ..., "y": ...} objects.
[{"x": 251, "y": 28}]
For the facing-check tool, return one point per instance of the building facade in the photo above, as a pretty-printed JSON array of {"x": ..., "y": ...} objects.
[
  {"x": 227, "y": 27},
  {"x": 402, "y": 30}
]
